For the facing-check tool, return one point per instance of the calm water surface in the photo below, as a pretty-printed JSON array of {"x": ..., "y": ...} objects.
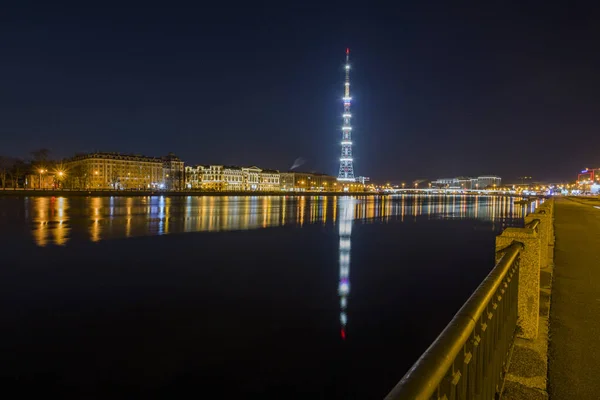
[{"x": 222, "y": 297}]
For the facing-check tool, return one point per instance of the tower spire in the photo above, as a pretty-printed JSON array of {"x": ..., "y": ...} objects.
[{"x": 346, "y": 173}]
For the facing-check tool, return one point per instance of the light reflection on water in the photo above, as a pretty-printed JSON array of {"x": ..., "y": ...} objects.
[
  {"x": 58, "y": 220},
  {"x": 347, "y": 208},
  {"x": 65, "y": 221}
]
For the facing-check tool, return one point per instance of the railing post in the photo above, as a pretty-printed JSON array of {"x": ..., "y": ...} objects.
[
  {"x": 545, "y": 219},
  {"x": 529, "y": 277},
  {"x": 548, "y": 209}
]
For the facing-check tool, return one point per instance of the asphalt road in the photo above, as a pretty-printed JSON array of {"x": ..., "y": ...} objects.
[{"x": 574, "y": 353}]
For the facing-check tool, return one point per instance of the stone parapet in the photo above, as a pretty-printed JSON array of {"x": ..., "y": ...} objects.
[
  {"x": 529, "y": 277},
  {"x": 537, "y": 254},
  {"x": 543, "y": 232}
]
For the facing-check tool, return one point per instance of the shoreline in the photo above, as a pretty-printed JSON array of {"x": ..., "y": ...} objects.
[
  {"x": 146, "y": 193},
  {"x": 185, "y": 193}
]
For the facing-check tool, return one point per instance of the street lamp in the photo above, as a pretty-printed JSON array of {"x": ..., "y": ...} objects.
[
  {"x": 60, "y": 174},
  {"x": 41, "y": 171}
]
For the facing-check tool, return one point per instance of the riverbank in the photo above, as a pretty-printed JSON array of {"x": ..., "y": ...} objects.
[{"x": 145, "y": 193}]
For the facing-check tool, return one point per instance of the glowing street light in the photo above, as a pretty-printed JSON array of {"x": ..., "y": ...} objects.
[
  {"x": 41, "y": 171},
  {"x": 59, "y": 175}
]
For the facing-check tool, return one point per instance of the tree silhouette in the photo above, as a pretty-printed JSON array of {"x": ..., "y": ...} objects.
[
  {"x": 40, "y": 155},
  {"x": 17, "y": 171}
]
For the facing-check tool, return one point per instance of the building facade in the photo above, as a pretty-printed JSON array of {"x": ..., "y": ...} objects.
[
  {"x": 173, "y": 172},
  {"x": 193, "y": 176},
  {"x": 468, "y": 183},
  {"x": 114, "y": 171},
  {"x": 588, "y": 180},
  {"x": 40, "y": 181},
  {"x": 588, "y": 176},
  {"x": 464, "y": 182},
  {"x": 212, "y": 178},
  {"x": 233, "y": 178},
  {"x": 304, "y": 181},
  {"x": 488, "y": 181},
  {"x": 269, "y": 180},
  {"x": 229, "y": 178},
  {"x": 251, "y": 178}
]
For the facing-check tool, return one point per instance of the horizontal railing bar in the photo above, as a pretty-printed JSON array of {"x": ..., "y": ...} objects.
[
  {"x": 424, "y": 377},
  {"x": 533, "y": 224}
]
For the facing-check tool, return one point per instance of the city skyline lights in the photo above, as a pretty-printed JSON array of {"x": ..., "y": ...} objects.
[{"x": 405, "y": 99}]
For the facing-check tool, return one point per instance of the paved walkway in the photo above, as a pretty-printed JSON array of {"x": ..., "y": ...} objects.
[{"x": 574, "y": 354}]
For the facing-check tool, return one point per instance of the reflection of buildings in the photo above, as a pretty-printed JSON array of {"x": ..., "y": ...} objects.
[
  {"x": 346, "y": 216},
  {"x": 50, "y": 217},
  {"x": 121, "y": 217}
]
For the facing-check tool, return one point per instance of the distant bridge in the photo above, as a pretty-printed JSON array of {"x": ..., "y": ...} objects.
[{"x": 454, "y": 191}]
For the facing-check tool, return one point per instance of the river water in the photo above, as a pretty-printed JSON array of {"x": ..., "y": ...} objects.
[{"x": 224, "y": 297}]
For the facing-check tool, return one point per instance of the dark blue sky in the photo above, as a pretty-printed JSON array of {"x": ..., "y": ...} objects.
[{"x": 438, "y": 90}]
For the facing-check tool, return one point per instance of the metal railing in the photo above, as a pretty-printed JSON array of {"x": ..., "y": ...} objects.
[
  {"x": 533, "y": 224},
  {"x": 469, "y": 359}
]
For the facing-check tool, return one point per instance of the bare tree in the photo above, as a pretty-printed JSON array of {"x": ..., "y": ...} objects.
[
  {"x": 114, "y": 180},
  {"x": 40, "y": 155},
  {"x": 17, "y": 171},
  {"x": 78, "y": 177},
  {"x": 5, "y": 164}
]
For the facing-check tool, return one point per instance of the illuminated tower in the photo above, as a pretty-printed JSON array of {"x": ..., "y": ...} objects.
[{"x": 346, "y": 173}]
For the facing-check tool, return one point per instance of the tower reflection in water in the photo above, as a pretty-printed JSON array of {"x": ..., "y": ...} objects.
[{"x": 346, "y": 217}]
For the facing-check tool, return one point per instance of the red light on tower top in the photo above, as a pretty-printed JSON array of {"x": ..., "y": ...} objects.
[{"x": 347, "y": 50}]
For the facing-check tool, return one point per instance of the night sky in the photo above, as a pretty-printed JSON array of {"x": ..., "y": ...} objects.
[{"x": 438, "y": 90}]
